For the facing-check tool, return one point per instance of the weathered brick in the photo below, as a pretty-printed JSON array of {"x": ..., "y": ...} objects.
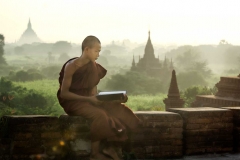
[
  {"x": 192, "y": 126},
  {"x": 194, "y": 151},
  {"x": 51, "y": 135},
  {"x": 28, "y": 150},
  {"x": 77, "y": 127},
  {"x": 26, "y": 143},
  {"x": 21, "y": 136},
  {"x": 65, "y": 119}
]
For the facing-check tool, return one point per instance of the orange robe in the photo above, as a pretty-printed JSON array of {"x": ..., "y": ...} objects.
[{"x": 105, "y": 119}]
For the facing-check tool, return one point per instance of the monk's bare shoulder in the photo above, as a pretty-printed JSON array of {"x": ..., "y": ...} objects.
[{"x": 70, "y": 68}]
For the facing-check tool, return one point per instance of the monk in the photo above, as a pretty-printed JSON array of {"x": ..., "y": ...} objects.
[{"x": 110, "y": 121}]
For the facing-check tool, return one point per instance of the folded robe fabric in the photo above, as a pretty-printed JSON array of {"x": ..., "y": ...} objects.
[{"x": 110, "y": 120}]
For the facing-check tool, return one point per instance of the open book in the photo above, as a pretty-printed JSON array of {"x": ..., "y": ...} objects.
[{"x": 111, "y": 95}]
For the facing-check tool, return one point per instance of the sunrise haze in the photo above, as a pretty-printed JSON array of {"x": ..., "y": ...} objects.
[{"x": 170, "y": 21}]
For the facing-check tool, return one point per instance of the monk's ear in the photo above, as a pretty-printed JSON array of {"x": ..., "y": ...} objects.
[{"x": 86, "y": 49}]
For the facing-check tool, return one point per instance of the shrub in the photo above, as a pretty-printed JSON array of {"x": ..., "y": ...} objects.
[{"x": 190, "y": 93}]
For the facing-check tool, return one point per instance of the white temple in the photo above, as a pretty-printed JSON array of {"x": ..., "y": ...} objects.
[{"x": 29, "y": 36}]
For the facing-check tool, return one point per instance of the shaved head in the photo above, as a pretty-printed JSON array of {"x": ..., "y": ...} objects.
[{"x": 89, "y": 41}]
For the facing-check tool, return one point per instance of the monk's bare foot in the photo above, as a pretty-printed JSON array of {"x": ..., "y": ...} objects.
[
  {"x": 111, "y": 152},
  {"x": 99, "y": 156}
]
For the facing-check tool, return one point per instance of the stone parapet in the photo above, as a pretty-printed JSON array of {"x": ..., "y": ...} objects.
[
  {"x": 183, "y": 131},
  {"x": 75, "y": 132},
  {"x": 160, "y": 135},
  {"x": 29, "y": 136},
  {"x": 214, "y": 101},
  {"x": 206, "y": 130},
  {"x": 236, "y": 127}
]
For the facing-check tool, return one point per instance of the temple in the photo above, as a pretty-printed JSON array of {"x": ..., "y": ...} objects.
[
  {"x": 228, "y": 94},
  {"x": 150, "y": 64},
  {"x": 173, "y": 100},
  {"x": 29, "y": 36}
]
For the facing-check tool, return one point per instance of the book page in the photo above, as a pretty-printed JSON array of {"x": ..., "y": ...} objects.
[{"x": 112, "y": 92}]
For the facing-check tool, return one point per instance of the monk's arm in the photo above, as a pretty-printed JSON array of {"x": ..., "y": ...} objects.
[
  {"x": 94, "y": 91},
  {"x": 66, "y": 83}
]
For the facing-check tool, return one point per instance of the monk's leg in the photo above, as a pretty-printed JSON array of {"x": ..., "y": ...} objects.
[
  {"x": 124, "y": 114},
  {"x": 95, "y": 154},
  {"x": 112, "y": 150},
  {"x": 128, "y": 118},
  {"x": 99, "y": 130}
]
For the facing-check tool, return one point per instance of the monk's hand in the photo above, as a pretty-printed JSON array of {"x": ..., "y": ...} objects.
[
  {"x": 122, "y": 100},
  {"x": 93, "y": 100}
]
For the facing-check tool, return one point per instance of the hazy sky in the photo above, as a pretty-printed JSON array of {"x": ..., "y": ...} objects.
[{"x": 170, "y": 21}]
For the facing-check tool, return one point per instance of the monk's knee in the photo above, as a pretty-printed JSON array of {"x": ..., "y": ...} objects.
[{"x": 100, "y": 115}]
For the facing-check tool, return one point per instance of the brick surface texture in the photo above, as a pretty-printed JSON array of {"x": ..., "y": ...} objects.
[
  {"x": 179, "y": 132},
  {"x": 206, "y": 130}
]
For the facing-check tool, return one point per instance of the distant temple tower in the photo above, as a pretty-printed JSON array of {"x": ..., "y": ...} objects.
[
  {"x": 171, "y": 65},
  {"x": 28, "y": 36},
  {"x": 150, "y": 64},
  {"x": 173, "y": 100},
  {"x": 133, "y": 63}
]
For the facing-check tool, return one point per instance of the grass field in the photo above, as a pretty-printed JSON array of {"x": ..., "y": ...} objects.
[{"x": 139, "y": 102}]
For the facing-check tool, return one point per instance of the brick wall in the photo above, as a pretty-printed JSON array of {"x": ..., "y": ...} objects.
[
  {"x": 163, "y": 135},
  {"x": 206, "y": 130},
  {"x": 236, "y": 129}
]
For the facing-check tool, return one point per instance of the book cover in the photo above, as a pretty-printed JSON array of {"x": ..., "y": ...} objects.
[{"x": 111, "y": 95}]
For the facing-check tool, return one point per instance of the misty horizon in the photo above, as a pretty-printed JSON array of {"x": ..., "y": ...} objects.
[{"x": 170, "y": 22}]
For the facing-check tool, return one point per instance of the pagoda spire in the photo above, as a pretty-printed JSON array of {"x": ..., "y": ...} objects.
[
  {"x": 165, "y": 62},
  {"x": 29, "y": 24},
  {"x": 173, "y": 100},
  {"x": 149, "y": 51},
  {"x": 133, "y": 62},
  {"x": 171, "y": 65},
  {"x": 173, "y": 89}
]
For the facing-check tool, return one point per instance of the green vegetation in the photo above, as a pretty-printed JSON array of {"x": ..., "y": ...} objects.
[
  {"x": 2, "y": 43},
  {"x": 33, "y": 80},
  {"x": 190, "y": 93},
  {"x": 39, "y": 97},
  {"x": 146, "y": 102},
  {"x": 135, "y": 83},
  {"x": 28, "y": 98}
]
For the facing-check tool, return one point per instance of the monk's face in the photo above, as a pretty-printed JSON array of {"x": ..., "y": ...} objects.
[{"x": 93, "y": 52}]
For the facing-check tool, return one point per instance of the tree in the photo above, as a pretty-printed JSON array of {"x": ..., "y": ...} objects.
[
  {"x": 189, "y": 94},
  {"x": 201, "y": 67},
  {"x": 102, "y": 60},
  {"x": 61, "y": 47},
  {"x": 18, "y": 50},
  {"x": 135, "y": 83},
  {"x": 63, "y": 57},
  {"x": 106, "y": 52},
  {"x": 190, "y": 78},
  {"x": 50, "y": 57},
  {"x": 2, "y": 43},
  {"x": 223, "y": 42},
  {"x": 187, "y": 58}
]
